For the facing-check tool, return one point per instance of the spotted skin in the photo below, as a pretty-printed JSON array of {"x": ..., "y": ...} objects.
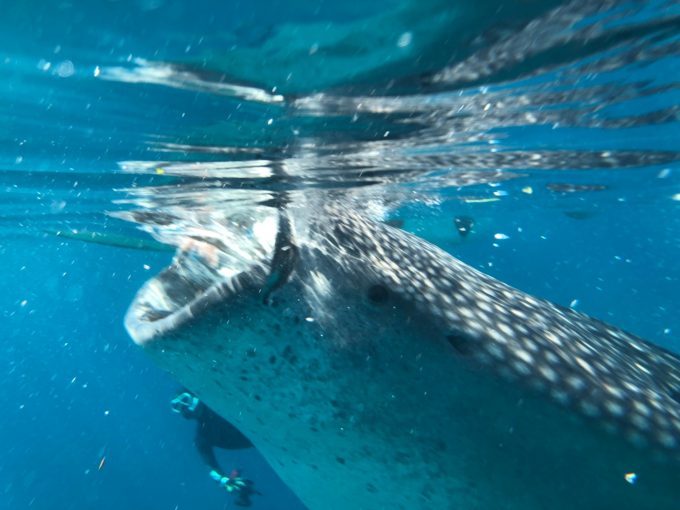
[
  {"x": 384, "y": 373},
  {"x": 597, "y": 369}
]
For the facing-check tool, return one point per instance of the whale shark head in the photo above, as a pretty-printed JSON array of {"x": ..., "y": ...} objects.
[{"x": 374, "y": 370}]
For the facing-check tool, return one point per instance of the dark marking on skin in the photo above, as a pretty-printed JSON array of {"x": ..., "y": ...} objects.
[
  {"x": 462, "y": 344},
  {"x": 272, "y": 359},
  {"x": 371, "y": 488},
  {"x": 340, "y": 460},
  {"x": 243, "y": 378},
  {"x": 313, "y": 429},
  {"x": 341, "y": 415},
  {"x": 288, "y": 355},
  {"x": 258, "y": 398},
  {"x": 251, "y": 352},
  {"x": 378, "y": 294}
]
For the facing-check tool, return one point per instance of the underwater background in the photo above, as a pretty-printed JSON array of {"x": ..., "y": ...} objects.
[{"x": 552, "y": 126}]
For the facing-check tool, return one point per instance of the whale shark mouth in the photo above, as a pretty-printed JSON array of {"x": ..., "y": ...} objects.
[{"x": 246, "y": 252}]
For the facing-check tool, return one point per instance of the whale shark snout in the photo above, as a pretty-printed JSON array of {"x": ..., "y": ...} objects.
[{"x": 374, "y": 370}]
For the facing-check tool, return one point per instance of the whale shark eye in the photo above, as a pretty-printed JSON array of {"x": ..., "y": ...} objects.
[
  {"x": 377, "y": 294},
  {"x": 462, "y": 344}
]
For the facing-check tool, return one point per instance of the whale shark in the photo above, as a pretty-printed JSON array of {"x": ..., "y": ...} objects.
[{"x": 374, "y": 370}]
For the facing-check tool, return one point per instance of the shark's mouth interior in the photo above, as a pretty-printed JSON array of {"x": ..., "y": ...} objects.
[{"x": 207, "y": 269}]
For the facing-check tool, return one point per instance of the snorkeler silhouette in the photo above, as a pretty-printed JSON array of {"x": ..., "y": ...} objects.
[{"x": 213, "y": 431}]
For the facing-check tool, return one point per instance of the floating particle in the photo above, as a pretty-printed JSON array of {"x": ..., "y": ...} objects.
[
  {"x": 500, "y": 193},
  {"x": 676, "y": 197},
  {"x": 107, "y": 412},
  {"x": 476, "y": 200},
  {"x": 528, "y": 190},
  {"x": 65, "y": 69},
  {"x": 664, "y": 173},
  {"x": 101, "y": 464},
  {"x": 147, "y": 266},
  {"x": 405, "y": 39},
  {"x": 631, "y": 478},
  {"x": 160, "y": 171},
  {"x": 270, "y": 122},
  {"x": 309, "y": 319},
  {"x": 574, "y": 303},
  {"x": 97, "y": 71},
  {"x": 500, "y": 237},
  {"x": 24, "y": 302}
]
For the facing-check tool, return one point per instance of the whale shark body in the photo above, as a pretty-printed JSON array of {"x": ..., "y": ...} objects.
[{"x": 375, "y": 371}]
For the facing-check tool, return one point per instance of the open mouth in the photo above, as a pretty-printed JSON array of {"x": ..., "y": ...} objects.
[{"x": 206, "y": 270}]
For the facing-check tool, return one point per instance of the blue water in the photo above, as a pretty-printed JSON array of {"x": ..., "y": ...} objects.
[{"x": 103, "y": 105}]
